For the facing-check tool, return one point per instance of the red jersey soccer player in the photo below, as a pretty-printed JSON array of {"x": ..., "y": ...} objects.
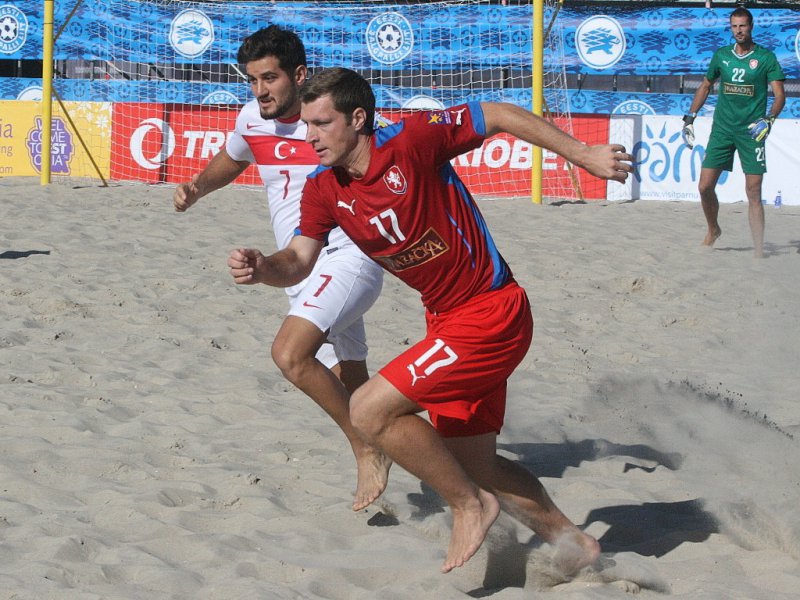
[{"x": 397, "y": 197}]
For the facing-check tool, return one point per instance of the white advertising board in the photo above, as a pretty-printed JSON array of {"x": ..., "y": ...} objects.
[{"x": 666, "y": 169}]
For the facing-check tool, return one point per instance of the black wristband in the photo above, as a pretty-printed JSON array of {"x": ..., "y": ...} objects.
[{"x": 688, "y": 119}]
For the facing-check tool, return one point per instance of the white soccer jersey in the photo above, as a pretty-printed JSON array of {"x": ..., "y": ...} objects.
[{"x": 284, "y": 159}]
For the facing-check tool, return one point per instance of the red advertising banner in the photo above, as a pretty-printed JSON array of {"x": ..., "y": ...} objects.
[
  {"x": 201, "y": 132},
  {"x": 168, "y": 143},
  {"x": 139, "y": 138},
  {"x": 501, "y": 166},
  {"x": 591, "y": 129}
]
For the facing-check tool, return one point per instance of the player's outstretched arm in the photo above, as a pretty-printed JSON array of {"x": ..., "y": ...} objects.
[
  {"x": 608, "y": 161},
  {"x": 218, "y": 173},
  {"x": 282, "y": 269}
]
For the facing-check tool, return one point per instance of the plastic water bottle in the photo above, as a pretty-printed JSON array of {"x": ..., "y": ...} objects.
[{"x": 778, "y": 200}]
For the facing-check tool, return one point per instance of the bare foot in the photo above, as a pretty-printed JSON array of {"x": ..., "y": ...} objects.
[
  {"x": 575, "y": 550},
  {"x": 373, "y": 475},
  {"x": 470, "y": 527},
  {"x": 712, "y": 236}
]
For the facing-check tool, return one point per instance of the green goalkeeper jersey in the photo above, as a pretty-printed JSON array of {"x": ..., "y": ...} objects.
[{"x": 744, "y": 80}]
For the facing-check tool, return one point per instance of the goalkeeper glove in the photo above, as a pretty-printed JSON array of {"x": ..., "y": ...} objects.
[
  {"x": 761, "y": 128},
  {"x": 688, "y": 130}
]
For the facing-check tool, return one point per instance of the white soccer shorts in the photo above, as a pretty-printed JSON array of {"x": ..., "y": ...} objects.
[{"x": 342, "y": 287}]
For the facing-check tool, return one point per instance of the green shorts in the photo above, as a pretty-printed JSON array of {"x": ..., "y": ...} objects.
[{"x": 723, "y": 143}]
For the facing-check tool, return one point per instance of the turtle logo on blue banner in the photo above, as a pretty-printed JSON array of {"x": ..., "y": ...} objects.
[
  {"x": 600, "y": 42},
  {"x": 13, "y": 29},
  {"x": 389, "y": 38},
  {"x": 191, "y": 33}
]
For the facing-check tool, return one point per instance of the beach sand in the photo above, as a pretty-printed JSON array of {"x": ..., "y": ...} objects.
[{"x": 149, "y": 448}]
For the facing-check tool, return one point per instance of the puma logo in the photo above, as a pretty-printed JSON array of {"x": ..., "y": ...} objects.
[
  {"x": 350, "y": 207},
  {"x": 414, "y": 376},
  {"x": 433, "y": 364}
]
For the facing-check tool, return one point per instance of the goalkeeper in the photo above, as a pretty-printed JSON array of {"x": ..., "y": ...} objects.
[{"x": 741, "y": 123}]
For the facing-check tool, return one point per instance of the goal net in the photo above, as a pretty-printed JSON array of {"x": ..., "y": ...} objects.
[{"x": 166, "y": 74}]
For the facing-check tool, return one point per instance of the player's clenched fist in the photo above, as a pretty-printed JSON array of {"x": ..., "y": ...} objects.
[
  {"x": 244, "y": 264},
  {"x": 186, "y": 194}
]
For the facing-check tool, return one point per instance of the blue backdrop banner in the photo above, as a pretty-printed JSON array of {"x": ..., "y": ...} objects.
[
  {"x": 364, "y": 36},
  {"x": 459, "y": 40},
  {"x": 669, "y": 41}
]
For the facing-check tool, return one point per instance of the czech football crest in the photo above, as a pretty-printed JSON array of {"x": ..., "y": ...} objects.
[{"x": 395, "y": 180}]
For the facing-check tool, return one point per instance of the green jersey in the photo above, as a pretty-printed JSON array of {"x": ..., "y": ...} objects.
[{"x": 744, "y": 81}]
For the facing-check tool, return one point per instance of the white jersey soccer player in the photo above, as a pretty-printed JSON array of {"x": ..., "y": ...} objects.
[
  {"x": 321, "y": 345},
  {"x": 345, "y": 282}
]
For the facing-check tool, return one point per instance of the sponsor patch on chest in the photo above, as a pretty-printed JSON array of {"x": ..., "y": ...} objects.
[
  {"x": 738, "y": 90},
  {"x": 426, "y": 248}
]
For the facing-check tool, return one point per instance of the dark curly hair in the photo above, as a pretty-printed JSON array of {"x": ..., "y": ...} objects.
[{"x": 274, "y": 41}]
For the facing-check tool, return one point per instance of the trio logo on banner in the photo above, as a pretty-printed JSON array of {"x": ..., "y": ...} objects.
[
  {"x": 389, "y": 38},
  {"x": 13, "y": 29},
  {"x": 163, "y": 141},
  {"x": 600, "y": 42},
  {"x": 149, "y": 145}
]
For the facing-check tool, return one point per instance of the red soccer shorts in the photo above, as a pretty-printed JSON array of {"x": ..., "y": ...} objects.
[{"x": 458, "y": 372}]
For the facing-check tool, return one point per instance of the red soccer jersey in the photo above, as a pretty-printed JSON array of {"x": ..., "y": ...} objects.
[{"x": 410, "y": 212}]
